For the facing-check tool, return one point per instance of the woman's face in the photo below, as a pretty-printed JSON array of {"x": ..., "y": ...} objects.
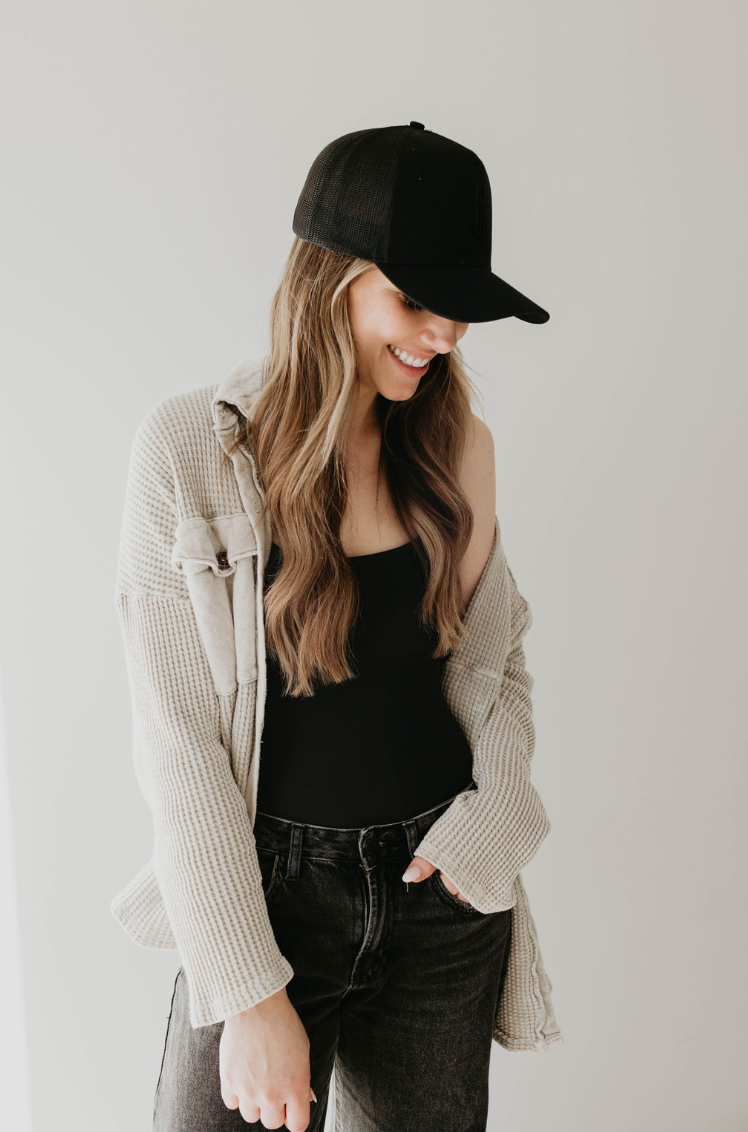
[{"x": 383, "y": 320}]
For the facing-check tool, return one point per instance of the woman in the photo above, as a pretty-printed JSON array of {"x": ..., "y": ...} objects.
[{"x": 310, "y": 561}]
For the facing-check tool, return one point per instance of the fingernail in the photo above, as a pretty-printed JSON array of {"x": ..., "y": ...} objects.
[
  {"x": 314, "y": 1095},
  {"x": 412, "y": 873}
]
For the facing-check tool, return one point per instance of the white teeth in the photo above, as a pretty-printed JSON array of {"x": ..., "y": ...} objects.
[{"x": 409, "y": 360}]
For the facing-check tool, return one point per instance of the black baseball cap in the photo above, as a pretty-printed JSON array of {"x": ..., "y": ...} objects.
[{"x": 418, "y": 205}]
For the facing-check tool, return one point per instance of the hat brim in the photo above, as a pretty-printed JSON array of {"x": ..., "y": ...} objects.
[{"x": 462, "y": 292}]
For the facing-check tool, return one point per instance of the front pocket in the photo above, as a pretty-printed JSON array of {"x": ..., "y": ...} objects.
[{"x": 444, "y": 892}]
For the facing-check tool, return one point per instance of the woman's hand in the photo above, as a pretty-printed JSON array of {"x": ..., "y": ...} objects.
[
  {"x": 425, "y": 869},
  {"x": 264, "y": 1064}
]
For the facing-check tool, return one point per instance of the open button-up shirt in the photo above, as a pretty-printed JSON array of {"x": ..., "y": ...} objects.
[{"x": 189, "y": 594}]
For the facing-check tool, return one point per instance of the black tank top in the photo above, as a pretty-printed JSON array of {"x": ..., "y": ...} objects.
[{"x": 381, "y": 747}]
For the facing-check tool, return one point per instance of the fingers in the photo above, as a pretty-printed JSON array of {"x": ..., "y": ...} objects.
[
  {"x": 452, "y": 886},
  {"x": 419, "y": 868}
]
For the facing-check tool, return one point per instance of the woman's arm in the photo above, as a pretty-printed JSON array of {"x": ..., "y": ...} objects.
[
  {"x": 204, "y": 850},
  {"x": 486, "y": 836}
]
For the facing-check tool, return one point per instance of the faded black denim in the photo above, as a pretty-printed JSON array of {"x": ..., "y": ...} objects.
[{"x": 397, "y": 986}]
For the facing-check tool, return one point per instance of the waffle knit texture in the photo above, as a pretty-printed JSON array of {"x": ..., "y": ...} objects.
[{"x": 189, "y": 595}]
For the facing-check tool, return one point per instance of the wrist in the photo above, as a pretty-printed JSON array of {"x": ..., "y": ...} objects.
[{"x": 266, "y": 1006}]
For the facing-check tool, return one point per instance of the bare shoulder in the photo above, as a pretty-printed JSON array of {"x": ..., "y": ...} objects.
[{"x": 478, "y": 481}]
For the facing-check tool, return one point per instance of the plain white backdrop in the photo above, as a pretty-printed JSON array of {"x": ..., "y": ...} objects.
[{"x": 152, "y": 156}]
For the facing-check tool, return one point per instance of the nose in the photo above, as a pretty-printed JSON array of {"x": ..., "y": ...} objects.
[{"x": 443, "y": 334}]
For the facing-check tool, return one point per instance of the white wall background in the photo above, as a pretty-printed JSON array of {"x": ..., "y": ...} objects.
[{"x": 152, "y": 155}]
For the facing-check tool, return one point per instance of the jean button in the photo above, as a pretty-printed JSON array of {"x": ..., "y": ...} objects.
[{"x": 388, "y": 837}]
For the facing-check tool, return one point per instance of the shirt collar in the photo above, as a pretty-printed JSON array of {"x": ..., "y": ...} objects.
[{"x": 234, "y": 397}]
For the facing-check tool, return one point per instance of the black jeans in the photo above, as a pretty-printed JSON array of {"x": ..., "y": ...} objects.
[{"x": 397, "y": 986}]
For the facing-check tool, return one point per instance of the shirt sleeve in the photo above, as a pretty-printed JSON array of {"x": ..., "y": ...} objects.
[
  {"x": 205, "y": 859},
  {"x": 485, "y": 838}
]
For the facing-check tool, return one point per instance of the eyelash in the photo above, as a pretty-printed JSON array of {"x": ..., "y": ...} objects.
[{"x": 410, "y": 304}]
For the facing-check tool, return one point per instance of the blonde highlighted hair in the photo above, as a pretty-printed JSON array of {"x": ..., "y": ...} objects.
[{"x": 298, "y": 434}]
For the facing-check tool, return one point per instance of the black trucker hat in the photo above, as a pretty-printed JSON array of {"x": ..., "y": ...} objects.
[{"x": 418, "y": 205}]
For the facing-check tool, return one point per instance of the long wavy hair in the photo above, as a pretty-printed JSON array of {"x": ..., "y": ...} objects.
[{"x": 298, "y": 435}]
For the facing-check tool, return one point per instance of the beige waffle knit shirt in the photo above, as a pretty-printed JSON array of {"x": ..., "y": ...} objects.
[{"x": 189, "y": 596}]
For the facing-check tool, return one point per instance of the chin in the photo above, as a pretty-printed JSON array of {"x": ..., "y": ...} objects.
[{"x": 398, "y": 394}]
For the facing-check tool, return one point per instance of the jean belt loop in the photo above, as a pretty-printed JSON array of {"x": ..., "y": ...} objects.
[
  {"x": 411, "y": 833},
  {"x": 294, "y": 851}
]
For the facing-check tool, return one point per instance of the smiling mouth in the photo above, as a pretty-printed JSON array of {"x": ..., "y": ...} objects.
[{"x": 405, "y": 366}]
